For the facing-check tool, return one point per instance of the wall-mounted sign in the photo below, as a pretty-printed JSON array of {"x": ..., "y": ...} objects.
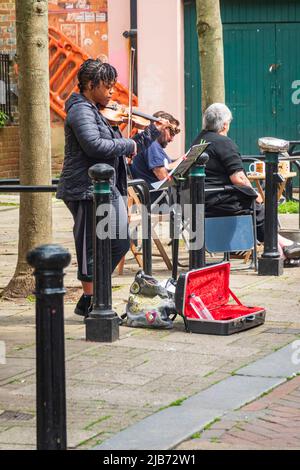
[{"x": 83, "y": 21}]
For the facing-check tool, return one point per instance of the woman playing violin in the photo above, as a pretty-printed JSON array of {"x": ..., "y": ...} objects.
[{"x": 90, "y": 139}]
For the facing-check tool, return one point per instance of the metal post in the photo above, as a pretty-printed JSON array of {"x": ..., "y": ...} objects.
[
  {"x": 141, "y": 187},
  {"x": 176, "y": 221},
  {"x": 144, "y": 195},
  {"x": 49, "y": 261},
  {"x": 271, "y": 264},
  {"x": 197, "y": 201},
  {"x": 102, "y": 324}
]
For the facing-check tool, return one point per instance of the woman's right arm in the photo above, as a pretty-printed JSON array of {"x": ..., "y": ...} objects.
[
  {"x": 240, "y": 179},
  {"x": 83, "y": 123}
]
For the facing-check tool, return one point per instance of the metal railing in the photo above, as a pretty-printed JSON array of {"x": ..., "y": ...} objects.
[
  {"x": 5, "y": 102},
  {"x": 295, "y": 165},
  {"x": 12, "y": 185}
]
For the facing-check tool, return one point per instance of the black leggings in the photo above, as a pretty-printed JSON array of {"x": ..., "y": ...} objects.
[{"x": 82, "y": 212}]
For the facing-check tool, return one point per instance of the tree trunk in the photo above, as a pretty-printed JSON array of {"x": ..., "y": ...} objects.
[
  {"x": 210, "y": 39},
  {"x": 35, "y": 219}
]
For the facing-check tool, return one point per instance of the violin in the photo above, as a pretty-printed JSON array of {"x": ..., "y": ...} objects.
[{"x": 118, "y": 114}]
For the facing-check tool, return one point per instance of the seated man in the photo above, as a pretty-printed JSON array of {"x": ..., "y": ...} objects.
[
  {"x": 152, "y": 165},
  {"x": 225, "y": 167}
]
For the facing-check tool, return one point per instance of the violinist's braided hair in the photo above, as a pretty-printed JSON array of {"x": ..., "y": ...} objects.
[{"x": 94, "y": 70}]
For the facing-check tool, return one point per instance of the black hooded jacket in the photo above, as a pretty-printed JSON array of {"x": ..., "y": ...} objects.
[{"x": 90, "y": 139}]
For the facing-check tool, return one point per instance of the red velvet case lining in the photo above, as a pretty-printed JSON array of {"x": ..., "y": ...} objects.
[{"x": 212, "y": 286}]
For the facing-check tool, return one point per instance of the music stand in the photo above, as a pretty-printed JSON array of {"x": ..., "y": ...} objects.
[
  {"x": 182, "y": 168},
  {"x": 177, "y": 180}
]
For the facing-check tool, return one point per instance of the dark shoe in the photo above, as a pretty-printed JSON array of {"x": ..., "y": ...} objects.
[
  {"x": 292, "y": 263},
  {"x": 84, "y": 305},
  {"x": 292, "y": 251}
]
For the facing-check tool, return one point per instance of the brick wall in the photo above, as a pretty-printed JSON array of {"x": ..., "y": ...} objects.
[
  {"x": 7, "y": 26},
  {"x": 9, "y": 135},
  {"x": 8, "y": 44},
  {"x": 9, "y": 152}
]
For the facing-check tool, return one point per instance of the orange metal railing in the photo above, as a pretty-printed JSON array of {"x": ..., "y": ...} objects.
[{"x": 65, "y": 58}]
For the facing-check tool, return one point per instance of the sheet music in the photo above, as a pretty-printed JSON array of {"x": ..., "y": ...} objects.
[{"x": 184, "y": 164}]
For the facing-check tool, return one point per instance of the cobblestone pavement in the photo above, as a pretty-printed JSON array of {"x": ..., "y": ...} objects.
[
  {"x": 112, "y": 386},
  {"x": 271, "y": 422}
]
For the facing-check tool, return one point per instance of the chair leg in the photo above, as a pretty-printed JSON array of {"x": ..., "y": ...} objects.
[
  {"x": 136, "y": 254},
  {"x": 120, "y": 266},
  {"x": 161, "y": 249},
  {"x": 247, "y": 257},
  {"x": 255, "y": 261}
]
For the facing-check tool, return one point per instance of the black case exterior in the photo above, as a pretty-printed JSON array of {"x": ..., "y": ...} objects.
[
  {"x": 221, "y": 328},
  {"x": 225, "y": 328}
]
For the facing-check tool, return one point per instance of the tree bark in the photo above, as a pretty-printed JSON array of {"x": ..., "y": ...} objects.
[
  {"x": 210, "y": 40},
  {"x": 35, "y": 219}
]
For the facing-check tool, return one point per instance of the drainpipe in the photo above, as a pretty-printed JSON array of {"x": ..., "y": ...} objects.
[{"x": 132, "y": 36}]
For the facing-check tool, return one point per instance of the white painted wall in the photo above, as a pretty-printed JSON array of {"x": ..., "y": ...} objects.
[
  {"x": 160, "y": 56},
  {"x": 118, "y": 46},
  {"x": 161, "y": 61}
]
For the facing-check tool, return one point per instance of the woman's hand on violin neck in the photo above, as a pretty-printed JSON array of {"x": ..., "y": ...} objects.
[{"x": 162, "y": 124}]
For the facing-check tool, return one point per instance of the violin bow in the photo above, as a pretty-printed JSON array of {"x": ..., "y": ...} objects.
[{"x": 130, "y": 104}]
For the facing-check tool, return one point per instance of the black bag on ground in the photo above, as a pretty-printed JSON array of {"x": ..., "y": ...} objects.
[{"x": 150, "y": 303}]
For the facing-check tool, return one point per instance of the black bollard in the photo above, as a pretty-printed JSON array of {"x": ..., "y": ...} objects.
[
  {"x": 271, "y": 264},
  {"x": 197, "y": 201},
  {"x": 49, "y": 261},
  {"x": 102, "y": 324}
]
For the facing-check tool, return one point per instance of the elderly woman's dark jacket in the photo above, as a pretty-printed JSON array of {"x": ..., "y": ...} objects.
[{"x": 90, "y": 139}]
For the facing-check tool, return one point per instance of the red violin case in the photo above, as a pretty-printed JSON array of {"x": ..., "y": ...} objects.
[{"x": 202, "y": 297}]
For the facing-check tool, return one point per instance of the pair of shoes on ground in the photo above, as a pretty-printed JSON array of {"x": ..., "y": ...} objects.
[
  {"x": 291, "y": 263},
  {"x": 292, "y": 251},
  {"x": 84, "y": 307}
]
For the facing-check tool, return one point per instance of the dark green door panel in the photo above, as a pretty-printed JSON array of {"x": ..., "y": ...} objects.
[
  {"x": 263, "y": 11},
  {"x": 192, "y": 75},
  {"x": 250, "y": 87},
  {"x": 262, "y": 70},
  {"x": 287, "y": 72}
]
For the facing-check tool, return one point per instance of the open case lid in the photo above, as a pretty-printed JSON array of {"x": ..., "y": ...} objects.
[{"x": 211, "y": 283}]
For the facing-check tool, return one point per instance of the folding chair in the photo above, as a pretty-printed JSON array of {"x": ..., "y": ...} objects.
[
  {"x": 134, "y": 219},
  {"x": 231, "y": 234}
]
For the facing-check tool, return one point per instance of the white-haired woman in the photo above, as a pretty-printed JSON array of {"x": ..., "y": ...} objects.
[{"x": 225, "y": 167}]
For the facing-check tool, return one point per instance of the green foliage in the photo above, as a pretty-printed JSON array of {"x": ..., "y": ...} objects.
[
  {"x": 89, "y": 426},
  {"x": 210, "y": 425},
  {"x": 3, "y": 119},
  {"x": 4, "y": 204},
  {"x": 174, "y": 403},
  {"x": 178, "y": 402},
  {"x": 289, "y": 207}
]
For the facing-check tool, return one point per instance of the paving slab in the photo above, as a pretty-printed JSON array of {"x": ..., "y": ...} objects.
[
  {"x": 282, "y": 363},
  {"x": 192, "y": 415},
  {"x": 269, "y": 422},
  {"x": 146, "y": 370}
]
